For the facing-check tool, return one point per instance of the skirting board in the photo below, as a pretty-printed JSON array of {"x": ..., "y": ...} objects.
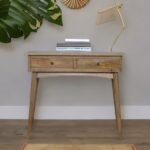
[{"x": 75, "y": 112}]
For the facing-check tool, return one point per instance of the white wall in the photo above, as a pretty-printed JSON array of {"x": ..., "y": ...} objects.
[{"x": 79, "y": 91}]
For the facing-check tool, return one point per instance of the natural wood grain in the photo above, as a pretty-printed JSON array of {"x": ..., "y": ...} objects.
[
  {"x": 13, "y": 133},
  {"x": 79, "y": 147},
  {"x": 101, "y": 75},
  {"x": 20, "y": 147},
  {"x": 115, "y": 87},
  {"x": 74, "y": 63},
  {"x": 94, "y": 54},
  {"x": 51, "y": 63},
  {"x": 99, "y": 64},
  {"x": 69, "y": 63},
  {"x": 34, "y": 86}
]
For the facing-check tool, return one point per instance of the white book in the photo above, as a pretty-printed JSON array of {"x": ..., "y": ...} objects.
[
  {"x": 82, "y": 49},
  {"x": 77, "y": 40}
]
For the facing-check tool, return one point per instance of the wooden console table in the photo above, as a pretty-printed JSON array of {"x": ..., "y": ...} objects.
[{"x": 45, "y": 64}]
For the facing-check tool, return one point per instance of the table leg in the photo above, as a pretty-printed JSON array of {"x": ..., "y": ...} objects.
[
  {"x": 115, "y": 87},
  {"x": 33, "y": 94}
]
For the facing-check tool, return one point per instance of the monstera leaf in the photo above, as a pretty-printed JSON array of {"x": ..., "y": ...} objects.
[
  {"x": 21, "y": 17},
  {"x": 4, "y": 6}
]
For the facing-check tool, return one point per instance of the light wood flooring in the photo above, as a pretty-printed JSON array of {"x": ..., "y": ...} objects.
[{"x": 13, "y": 133}]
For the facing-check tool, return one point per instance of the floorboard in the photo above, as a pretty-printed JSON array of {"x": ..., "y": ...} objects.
[{"x": 13, "y": 133}]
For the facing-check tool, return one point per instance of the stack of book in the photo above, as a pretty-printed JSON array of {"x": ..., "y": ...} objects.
[{"x": 74, "y": 45}]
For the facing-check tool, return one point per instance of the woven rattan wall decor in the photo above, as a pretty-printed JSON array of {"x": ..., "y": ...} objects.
[{"x": 75, "y": 4}]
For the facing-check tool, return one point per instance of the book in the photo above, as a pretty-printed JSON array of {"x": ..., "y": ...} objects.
[
  {"x": 76, "y": 40},
  {"x": 86, "y": 49},
  {"x": 72, "y": 44}
]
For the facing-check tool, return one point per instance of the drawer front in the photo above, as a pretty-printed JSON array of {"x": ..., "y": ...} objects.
[
  {"x": 51, "y": 63},
  {"x": 99, "y": 64}
]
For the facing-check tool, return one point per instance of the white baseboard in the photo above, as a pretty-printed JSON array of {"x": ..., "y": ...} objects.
[{"x": 75, "y": 112}]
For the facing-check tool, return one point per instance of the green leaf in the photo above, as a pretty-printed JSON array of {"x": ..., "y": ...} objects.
[
  {"x": 4, "y": 36},
  {"x": 21, "y": 17},
  {"x": 4, "y": 7},
  {"x": 49, "y": 10},
  {"x": 12, "y": 29}
]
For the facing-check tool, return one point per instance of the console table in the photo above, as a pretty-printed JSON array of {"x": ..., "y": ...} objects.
[{"x": 105, "y": 65}]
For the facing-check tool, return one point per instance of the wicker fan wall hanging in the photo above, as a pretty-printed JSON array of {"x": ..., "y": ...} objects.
[{"x": 75, "y": 4}]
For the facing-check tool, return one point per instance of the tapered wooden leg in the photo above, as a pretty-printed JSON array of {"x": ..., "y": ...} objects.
[
  {"x": 116, "y": 95},
  {"x": 33, "y": 94}
]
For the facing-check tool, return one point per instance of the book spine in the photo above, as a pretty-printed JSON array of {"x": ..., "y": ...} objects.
[
  {"x": 87, "y": 49},
  {"x": 73, "y": 44}
]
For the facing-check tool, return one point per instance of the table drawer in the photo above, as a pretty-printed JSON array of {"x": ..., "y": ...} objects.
[
  {"x": 51, "y": 63},
  {"x": 99, "y": 64}
]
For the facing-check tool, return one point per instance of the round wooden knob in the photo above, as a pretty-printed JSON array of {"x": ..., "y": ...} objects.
[
  {"x": 52, "y": 63},
  {"x": 98, "y": 63}
]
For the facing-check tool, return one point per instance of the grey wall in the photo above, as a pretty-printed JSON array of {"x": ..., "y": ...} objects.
[{"x": 134, "y": 43}]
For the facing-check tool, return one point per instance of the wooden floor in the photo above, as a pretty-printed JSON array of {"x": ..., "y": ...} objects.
[{"x": 13, "y": 133}]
